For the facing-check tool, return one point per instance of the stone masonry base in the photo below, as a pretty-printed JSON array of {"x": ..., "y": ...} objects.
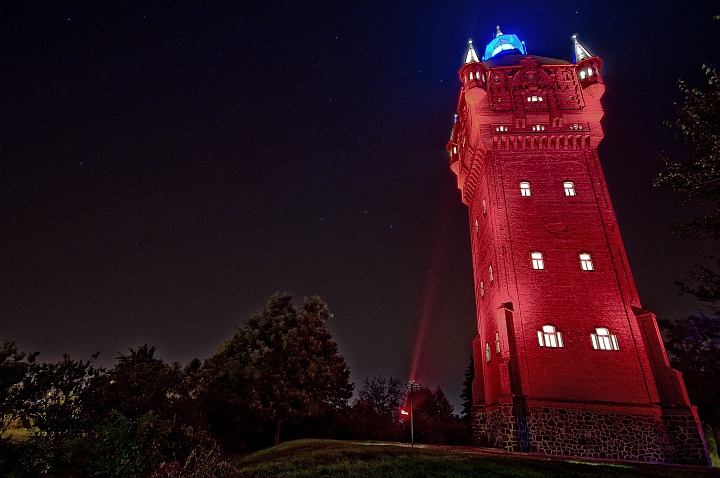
[{"x": 591, "y": 433}]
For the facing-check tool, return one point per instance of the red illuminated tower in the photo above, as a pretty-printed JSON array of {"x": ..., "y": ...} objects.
[{"x": 566, "y": 360}]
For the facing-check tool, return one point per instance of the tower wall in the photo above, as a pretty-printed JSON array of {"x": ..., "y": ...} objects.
[{"x": 599, "y": 385}]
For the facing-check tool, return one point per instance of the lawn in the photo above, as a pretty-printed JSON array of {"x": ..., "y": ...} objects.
[{"x": 331, "y": 458}]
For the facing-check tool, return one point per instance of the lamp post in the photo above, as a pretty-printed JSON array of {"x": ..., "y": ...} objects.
[{"x": 412, "y": 385}]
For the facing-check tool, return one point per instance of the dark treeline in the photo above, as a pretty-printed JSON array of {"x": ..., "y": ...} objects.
[{"x": 280, "y": 377}]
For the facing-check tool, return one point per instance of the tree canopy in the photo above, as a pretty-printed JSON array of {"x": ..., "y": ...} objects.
[
  {"x": 697, "y": 178},
  {"x": 283, "y": 365}
]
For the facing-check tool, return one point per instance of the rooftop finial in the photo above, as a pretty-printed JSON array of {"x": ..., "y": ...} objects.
[
  {"x": 580, "y": 52},
  {"x": 471, "y": 55},
  {"x": 498, "y": 32}
]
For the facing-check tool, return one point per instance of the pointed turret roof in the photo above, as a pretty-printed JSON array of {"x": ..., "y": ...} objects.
[
  {"x": 471, "y": 55},
  {"x": 581, "y": 52}
]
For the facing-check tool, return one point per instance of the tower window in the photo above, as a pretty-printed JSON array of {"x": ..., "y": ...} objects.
[
  {"x": 586, "y": 262},
  {"x": 472, "y": 75},
  {"x": 488, "y": 353},
  {"x": 484, "y": 207},
  {"x": 539, "y": 127},
  {"x": 477, "y": 227},
  {"x": 602, "y": 339},
  {"x": 550, "y": 337},
  {"x": 569, "y": 188},
  {"x": 582, "y": 74},
  {"x": 537, "y": 260},
  {"x": 491, "y": 274},
  {"x": 497, "y": 342},
  {"x": 482, "y": 289},
  {"x": 454, "y": 149},
  {"x": 524, "y": 188}
]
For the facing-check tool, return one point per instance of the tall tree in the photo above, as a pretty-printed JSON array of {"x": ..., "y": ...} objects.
[
  {"x": 466, "y": 395},
  {"x": 697, "y": 178},
  {"x": 693, "y": 346},
  {"x": 283, "y": 365}
]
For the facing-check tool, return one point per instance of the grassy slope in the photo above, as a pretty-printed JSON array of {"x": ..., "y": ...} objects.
[{"x": 320, "y": 458}]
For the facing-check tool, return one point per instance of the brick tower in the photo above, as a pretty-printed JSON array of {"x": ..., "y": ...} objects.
[{"x": 566, "y": 360}]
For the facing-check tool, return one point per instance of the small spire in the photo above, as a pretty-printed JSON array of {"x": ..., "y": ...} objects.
[
  {"x": 498, "y": 32},
  {"x": 580, "y": 52},
  {"x": 471, "y": 55}
]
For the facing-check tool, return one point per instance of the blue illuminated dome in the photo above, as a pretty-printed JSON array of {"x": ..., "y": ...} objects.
[{"x": 503, "y": 43}]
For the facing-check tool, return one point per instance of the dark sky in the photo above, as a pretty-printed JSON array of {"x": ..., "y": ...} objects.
[{"x": 166, "y": 166}]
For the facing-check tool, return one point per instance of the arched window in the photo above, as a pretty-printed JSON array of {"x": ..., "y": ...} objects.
[
  {"x": 524, "y": 188},
  {"x": 602, "y": 339},
  {"x": 569, "y": 187},
  {"x": 497, "y": 342},
  {"x": 550, "y": 337},
  {"x": 586, "y": 261},
  {"x": 537, "y": 260},
  {"x": 488, "y": 353}
]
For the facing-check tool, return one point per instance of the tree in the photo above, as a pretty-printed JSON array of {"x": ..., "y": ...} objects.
[
  {"x": 466, "y": 395},
  {"x": 435, "y": 420},
  {"x": 60, "y": 394},
  {"x": 697, "y": 178},
  {"x": 376, "y": 414},
  {"x": 282, "y": 366},
  {"x": 385, "y": 394},
  {"x": 15, "y": 376},
  {"x": 693, "y": 346}
]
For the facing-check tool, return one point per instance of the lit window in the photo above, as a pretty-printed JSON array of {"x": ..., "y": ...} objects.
[
  {"x": 603, "y": 340},
  {"x": 539, "y": 98},
  {"x": 454, "y": 149},
  {"x": 569, "y": 188},
  {"x": 582, "y": 74},
  {"x": 590, "y": 71},
  {"x": 586, "y": 262},
  {"x": 482, "y": 289},
  {"x": 497, "y": 342},
  {"x": 537, "y": 260},
  {"x": 471, "y": 76},
  {"x": 484, "y": 207},
  {"x": 529, "y": 98},
  {"x": 525, "y": 188},
  {"x": 550, "y": 337},
  {"x": 539, "y": 127},
  {"x": 476, "y": 226},
  {"x": 488, "y": 353},
  {"x": 490, "y": 272}
]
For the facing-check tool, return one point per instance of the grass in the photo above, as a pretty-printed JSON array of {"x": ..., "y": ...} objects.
[{"x": 331, "y": 458}]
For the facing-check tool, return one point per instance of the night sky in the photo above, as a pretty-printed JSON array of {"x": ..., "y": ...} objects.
[{"x": 166, "y": 166}]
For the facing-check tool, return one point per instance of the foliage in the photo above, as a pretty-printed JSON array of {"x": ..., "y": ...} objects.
[
  {"x": 15, "y": 369},
  {"x": 59, "y": 393},
  {"x": 282, "y": 366},
  {"x": 376, "y": 414},
  {"x": 385, "y": 394},
  {"x": 313, "y": 458},
  {"x": 693, "y": 346},
  {"x": 201, "y": 463},
  {"x": 466, "y": 395},
  {"x": 697, "y": 177},
  {"x": 125, "y": 447},
  {"x": 434, "y": 419},
  {"x": 139, "y": 383}
]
